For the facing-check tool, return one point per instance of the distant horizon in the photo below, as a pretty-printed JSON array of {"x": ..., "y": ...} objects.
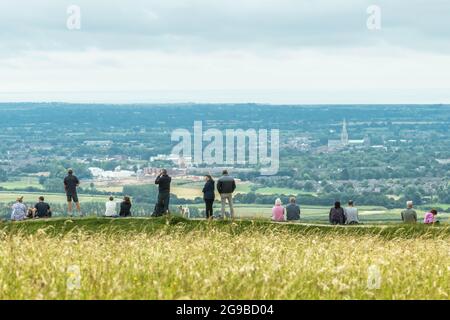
[{"x": 190, "y": 103}]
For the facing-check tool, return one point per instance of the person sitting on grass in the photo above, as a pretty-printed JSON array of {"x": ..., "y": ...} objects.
[
  {"x": 42, "y": 209},
  {"x": 110, "y": 206},
  {"x": 337, "y": 215},
  {"x": 292, "y": 210},
  {"x": 125, "y": 207},
  {"x": 30, "y": 213},
  {"x": 19, "y": 210},
  {"x": 351, "y": 214},
  {"x": 409, "y": 215},
  {"x": 430, "y": 217},
  {"x": 278, "y": 211}
]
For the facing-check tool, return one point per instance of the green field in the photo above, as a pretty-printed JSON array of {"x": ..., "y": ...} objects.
[
  {"x": 285, "y": 191},
  {"x": 32, "y": 197},
  {"x": 173, "y": 258},
  {"x": 21, "y": 183}
]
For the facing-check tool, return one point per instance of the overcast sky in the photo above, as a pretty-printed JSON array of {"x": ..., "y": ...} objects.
[{"x": 266, "y": 51}]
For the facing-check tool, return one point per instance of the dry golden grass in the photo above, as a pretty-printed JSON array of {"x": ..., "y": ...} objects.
[{"x": 173, "y": 263}]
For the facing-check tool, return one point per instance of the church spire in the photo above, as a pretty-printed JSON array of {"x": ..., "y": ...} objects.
[{"x": 344, "y": 134}]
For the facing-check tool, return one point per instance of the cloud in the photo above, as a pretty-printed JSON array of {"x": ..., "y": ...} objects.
[
  {"x": 248, "y": 50},
  {"x": 199, "y": 25}
]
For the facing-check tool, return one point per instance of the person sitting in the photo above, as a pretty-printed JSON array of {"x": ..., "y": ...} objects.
[
  {"x": 351, "y": 214},
  {"x": 409, "y": 215},
  {"x": 30, "y": 213},
  {"x": 430, "y": 217},
  {"x": 278, "y": 211},
  {"x": 19, "y": 210},
  {"x": 292, "y": 210},
  {"x": 337, "y": 215},
  {"x": 125, "y": 207},
  {"x": 110, "y": 206},
  {"x": 42, "y": 209}
]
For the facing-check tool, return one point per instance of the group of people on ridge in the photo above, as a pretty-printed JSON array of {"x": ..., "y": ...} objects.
[
  {"x": 337, "y": 215},
  {"x": 226, "y": 185}
]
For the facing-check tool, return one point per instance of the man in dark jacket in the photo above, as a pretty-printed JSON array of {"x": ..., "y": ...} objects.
[
  {"x": 226, "y": 186},
  {"x": 292, "y": 210},
  {"x": 163, "y": 182}
]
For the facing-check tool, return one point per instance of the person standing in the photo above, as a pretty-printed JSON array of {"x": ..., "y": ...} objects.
[
  {"x": 226, "y": 186},
  {"x": 337, "y": 215},
  {"x": 209, "y": 196},
  {"x": 110, "y": 208},
  {"x": 71, "y": 183},
  {"x": 42, "y": 209},
  {"x": 351, "y": 214},
  {"x": 125, "y": 207},
  {"x": 163, "y": 181},
  {"x": 409, "y": 215},
  {"x": 292, "y": 210},
  {"x": 278, "y": 211},
  {"x": 19, "y": 210}
]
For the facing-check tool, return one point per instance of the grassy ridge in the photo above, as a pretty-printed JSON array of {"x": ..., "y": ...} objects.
[{"x": 58, "y": 226}]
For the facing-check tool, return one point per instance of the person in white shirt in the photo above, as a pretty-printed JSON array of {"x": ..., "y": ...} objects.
[
  {"x": 351, "y": 214},
  {"x": 111, "y": 206}
]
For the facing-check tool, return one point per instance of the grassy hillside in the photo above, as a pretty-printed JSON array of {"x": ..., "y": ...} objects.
[{"x": 173, "y": 258}]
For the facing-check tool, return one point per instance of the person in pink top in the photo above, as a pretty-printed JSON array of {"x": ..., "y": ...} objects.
[
  {"x": 430, "y": 217},
  {"x": 278, "y": 211}
]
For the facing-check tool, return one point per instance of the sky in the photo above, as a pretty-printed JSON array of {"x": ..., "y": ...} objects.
[{"x": 225, "y": 51}]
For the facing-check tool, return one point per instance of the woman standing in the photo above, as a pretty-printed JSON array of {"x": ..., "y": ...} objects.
[
  {"x": 125, "y": 207},
  {"x": 337, "y": 215},
  {"x": 209, "y": 196}
]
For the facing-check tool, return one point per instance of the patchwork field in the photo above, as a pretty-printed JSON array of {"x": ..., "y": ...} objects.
[{"x": 58, "y": 198}]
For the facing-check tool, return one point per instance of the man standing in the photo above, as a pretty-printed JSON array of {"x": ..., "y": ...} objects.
[
  {"x": 71, "y": 183},
  {"x": 42, "y": 209},
  {"x": 163, "y": 182},
  {"x": 409, "y": 215},
  {"x": 226, "y": 186},
  {"x": 292, "y": 210}
]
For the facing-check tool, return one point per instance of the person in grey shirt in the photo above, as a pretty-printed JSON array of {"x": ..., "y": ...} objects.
[
  {"x": 409, "y": 215},
  {"x": 351, "y": 214},
  {"x": 226, "y": 186},
  {"x": 292, "y": 210}
]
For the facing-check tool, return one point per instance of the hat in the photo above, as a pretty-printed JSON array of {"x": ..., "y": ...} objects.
[{"x": 19, "y": 199}]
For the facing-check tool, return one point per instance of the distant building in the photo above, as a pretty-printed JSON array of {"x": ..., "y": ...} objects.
[
  {"x": 345, "y": 142},
  {"x": 98, "y": 143},
  {"x": 99, "y": 173}
]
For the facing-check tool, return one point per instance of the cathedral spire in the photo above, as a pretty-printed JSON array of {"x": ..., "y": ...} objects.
[{"x": 344, "y": 134}]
